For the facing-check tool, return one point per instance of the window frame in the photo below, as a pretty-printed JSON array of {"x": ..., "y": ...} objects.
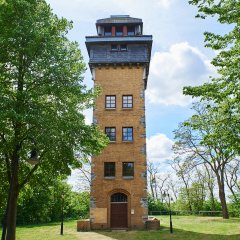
[
  {"x": 124, "y": 173},
  {"x": 127, "y": 107},
  {"x": 110, "y": 133},
  {"x": 127, "y": 134},
  {"x": 119, "y": 33},
  {"x": 106, "y": 102},
  {"x": 121, "y": 49},
  {"x": 107, "y": 34},
  {"x": 114, "y": 47},
  {"x": 132, "y": 32},
  {"x": 108, "y": 171}
]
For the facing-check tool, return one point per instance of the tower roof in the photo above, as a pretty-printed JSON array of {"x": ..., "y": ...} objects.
[{"x": 119, "y": 19}]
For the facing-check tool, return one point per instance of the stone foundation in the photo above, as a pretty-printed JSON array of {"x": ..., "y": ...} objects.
[
  {"x": 153, "y": 224},
  {"x": 83, "y": 225}
]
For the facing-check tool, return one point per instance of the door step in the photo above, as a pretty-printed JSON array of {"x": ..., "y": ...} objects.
[{"x": 119, "y": 230}]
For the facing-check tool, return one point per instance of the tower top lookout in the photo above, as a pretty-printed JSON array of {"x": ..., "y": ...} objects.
[{"x": 119, "y": 25}]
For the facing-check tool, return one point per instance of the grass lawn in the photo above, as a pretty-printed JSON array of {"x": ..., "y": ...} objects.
[{"x": 184, "y": 228}]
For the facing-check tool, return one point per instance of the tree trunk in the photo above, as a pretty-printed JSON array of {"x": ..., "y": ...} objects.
[
  {"x": 13, "y": 196},
  {"x": 220, "y": 180},
  {"x": 12, "y": 212},
  {"x": 212, "y": 201},
  {"x": 4, "y": 226},
  {"x": 4, "y": 221}
]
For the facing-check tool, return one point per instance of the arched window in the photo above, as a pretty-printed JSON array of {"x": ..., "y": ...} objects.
[{"x": 118, "y": 197}]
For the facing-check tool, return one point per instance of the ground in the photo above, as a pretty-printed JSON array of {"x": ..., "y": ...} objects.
[{"x": 184, "y": 228}]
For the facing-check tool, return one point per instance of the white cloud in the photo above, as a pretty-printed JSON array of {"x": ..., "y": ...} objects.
[
  {"x": 159, "y": 148},
  {"x": 183, "y": 65},
  {"x": 165, "y": 3}
]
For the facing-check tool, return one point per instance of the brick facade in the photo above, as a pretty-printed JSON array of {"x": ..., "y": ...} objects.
[
  {"x": 119, "y": 81},
  {"x": 119, "y": 58}
]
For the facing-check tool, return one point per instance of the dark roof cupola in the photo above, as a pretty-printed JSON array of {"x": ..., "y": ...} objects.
[{"x": 119, "y": 25}]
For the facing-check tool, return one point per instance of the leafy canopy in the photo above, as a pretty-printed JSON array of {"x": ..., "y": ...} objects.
[
  {"x": 224, "y": 89},
  {"x": 42, "y": 94}
]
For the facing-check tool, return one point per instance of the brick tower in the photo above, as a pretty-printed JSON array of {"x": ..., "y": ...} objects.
[{"x": 119, "y": 62}]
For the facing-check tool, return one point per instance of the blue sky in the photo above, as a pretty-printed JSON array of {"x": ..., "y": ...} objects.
[{"x": 179, "y": 57}]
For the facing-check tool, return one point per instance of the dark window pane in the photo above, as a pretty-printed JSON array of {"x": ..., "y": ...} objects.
[
  {"x": 108, "y": 31},
  {"x": 109, "y": 169},
  {"x": 111, "y": 133},
  {"x": 127, "y": 134},
  {"x": 114, "y": 47},
  {"x": 128, "y": 169},
  {"x": 123, "y": 47},
  {"x": 119, "y": 31},
  {"x": 131, "y": 30},
  {"x": 119, "y": 197}
]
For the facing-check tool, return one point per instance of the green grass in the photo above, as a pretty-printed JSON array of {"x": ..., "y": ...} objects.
[
  {"x": 187, "y": 228},
  {"x": 50, "y": 231},
  {"x": 184, "y": 228}
]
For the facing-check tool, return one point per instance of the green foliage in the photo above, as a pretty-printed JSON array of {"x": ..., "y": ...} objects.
[
  {"x": 197, "y": 195},
  {"x": 155, "y": 204},
  {"x": 41, "y": 92},
  {"x": 234, "y": 206},
  {"x": 42, "y": 95},
  {"x": 42, "y": 199},
  {"x": 207, "y": 205},
  {"x": 224, "y": 89}
]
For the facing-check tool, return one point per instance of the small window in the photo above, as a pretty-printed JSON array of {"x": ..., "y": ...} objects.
[
  {"x": 107, "y": 31},
  {"x": 109, "y": 169},
  {"x": 119, "y": 197},
  {"x": 127, "y": 134},
  {"x": 123, "y": 47},
  {"x": 128, "y": 169},
  {"x": 111, "y": 133},
  {"x": 110, "y": 101},
  {"x": 119, "y": 31},
  {"x": 114, "y": 47},
  {"x": 131, "y": 31},
  {"x": 127, "y": 101}
]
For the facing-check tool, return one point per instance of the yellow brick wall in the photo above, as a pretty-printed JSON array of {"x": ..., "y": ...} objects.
[{"x": 120, "y": 81}]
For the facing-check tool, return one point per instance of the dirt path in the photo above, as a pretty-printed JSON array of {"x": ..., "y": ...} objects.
[{"x": 89, "y": 236}]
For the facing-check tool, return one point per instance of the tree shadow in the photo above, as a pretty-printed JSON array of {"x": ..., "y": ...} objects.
[
  {"x": 164, "y": 233},
  {"x": 50, "y": 224}
]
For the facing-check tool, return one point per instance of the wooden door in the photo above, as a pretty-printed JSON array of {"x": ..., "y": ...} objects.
[{"x": 119, "y": 215}]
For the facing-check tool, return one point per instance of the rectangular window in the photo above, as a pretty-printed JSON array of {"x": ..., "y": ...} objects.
[
  {"x": 127, "y": 134},
  {"x": 127, "y": 101},
  {"x": 109, "y": 169},
  {"x": 131, "y": 31},
  {"x": 123, "y": 47},
  {"x": 110, "y": 101},
  {"x": 114, "y": 47},
  {"x": 111, "y": 133},
  {"x": 108, "y": 31},
  {"x": 128, "y": 169},
  {"x": 119, "y": 31}
]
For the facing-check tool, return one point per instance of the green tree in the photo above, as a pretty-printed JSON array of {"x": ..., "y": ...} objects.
[
  {"x": 41, "y": 98},
  {"x": 199, "y": 140},
  {"x": 223, "y": 89}
]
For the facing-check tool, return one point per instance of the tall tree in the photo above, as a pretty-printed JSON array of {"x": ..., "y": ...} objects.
[
  {"x": 41, "y": 97},
  {"x": 183, "y": 171},
  {"x": 200, "y": 140},
  {"x": 223, "y": 90}
]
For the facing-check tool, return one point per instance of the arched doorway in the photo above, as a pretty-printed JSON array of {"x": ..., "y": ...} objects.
[{"x": 119, "y": 210}]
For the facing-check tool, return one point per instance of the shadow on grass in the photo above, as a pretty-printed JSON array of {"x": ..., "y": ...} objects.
[
  {"x": 49, "y": 224},
  {"x": 164, "y": 233}
]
